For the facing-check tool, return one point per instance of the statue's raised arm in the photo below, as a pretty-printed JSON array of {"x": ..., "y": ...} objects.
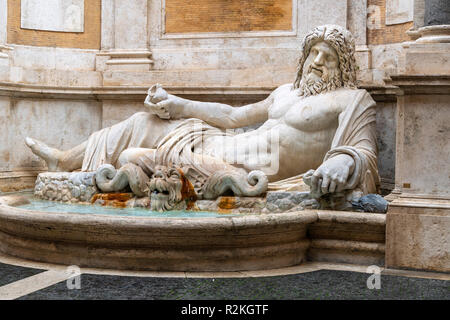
[{"x": 168, "y": 106}]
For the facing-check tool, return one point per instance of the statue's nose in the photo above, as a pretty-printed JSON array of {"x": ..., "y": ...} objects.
[
  {"x": 319, "y": 59},
  {"x": 158, "y": 174}
]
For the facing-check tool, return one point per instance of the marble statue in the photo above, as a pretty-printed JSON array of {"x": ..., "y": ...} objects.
[{"x": 316, "y": 134}]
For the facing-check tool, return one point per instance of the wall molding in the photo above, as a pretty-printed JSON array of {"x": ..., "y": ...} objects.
[{"x": 16, "y": 90}]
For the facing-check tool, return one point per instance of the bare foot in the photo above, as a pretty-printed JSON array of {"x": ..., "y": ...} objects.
[{"x": 50, "y": 155}]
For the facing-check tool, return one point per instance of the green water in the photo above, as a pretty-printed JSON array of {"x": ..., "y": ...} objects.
[{"x": 50, "y": 206}]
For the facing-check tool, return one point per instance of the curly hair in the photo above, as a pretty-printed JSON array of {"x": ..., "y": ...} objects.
[{"x": 342, "y": 41}]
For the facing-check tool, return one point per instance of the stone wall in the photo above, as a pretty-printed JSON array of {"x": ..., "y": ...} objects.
[
  {"x": 62, "y": 122},
  {"x": 89, "y": 39},
  {"x": 185, "y": 16},
  {"x": 381, "y": 33}
]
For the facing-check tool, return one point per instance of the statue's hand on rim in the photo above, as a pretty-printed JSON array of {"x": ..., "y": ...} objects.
[
  {"x": 332, "y": 175},
  {"x": 164, "y": 105}
]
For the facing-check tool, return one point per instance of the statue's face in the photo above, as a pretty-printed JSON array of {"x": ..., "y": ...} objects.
[
  {"x": 164, "y": 189},
  {"x": 322, "y": 63}
]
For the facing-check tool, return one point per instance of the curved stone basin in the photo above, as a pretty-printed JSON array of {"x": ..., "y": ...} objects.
[{"x": 228, "y": 243}]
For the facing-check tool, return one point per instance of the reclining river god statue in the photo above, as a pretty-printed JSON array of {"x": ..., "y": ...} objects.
[{"x": 316, "y": 134}]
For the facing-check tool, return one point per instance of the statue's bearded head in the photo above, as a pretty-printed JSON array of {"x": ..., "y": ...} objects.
[
  {"x": 165, "y": 189},
  {"x": 327, "y": 61}
]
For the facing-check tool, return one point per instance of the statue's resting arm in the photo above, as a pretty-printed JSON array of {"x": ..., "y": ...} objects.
[
  {"x": 219, "y": 114},
  {"x": 358, "y": 141}
]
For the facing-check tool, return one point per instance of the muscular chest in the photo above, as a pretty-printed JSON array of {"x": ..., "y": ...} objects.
[{"x": 315, "y": 113}]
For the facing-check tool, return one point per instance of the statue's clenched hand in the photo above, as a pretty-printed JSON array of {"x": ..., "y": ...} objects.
[
  {"x": 164, "y": 105},
  {"x": 332, "y": 175}
]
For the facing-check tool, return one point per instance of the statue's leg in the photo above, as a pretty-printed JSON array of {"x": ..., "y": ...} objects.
[
  {"x": 58, "y": 160},
  {"x": 132, "y": 155},
  {"x": 142, "y": 157},
  {"x": 142, "y": 130},
  {"x": 72, "y": 159}
]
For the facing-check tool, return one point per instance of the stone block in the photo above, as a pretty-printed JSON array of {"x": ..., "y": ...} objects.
[
  {"x": 399, "y": 11},
  {"x": 53, "y": 15},
  {"x": 386, "y": 57},
  {"x": 357, "y": 20},
  {"x": 130, "y": 35},
  {"x": 418, "y": 219},
  {"x": 418, "y": 237},
  {"x": 422, "y": 145},
  {"x": 320, "y": 12},
  {"x": 363, "y": 56},
  {"x": 426, "y": 59}
]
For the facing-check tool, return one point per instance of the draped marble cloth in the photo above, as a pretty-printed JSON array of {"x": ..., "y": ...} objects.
[{"x": 355, "y": 136}]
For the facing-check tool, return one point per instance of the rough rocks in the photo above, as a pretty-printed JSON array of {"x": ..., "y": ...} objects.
[
  {"x": 66, "y": 186},
  {"x": 371, "y": 203},
  {"x": 274, "y": 202},
  {"x": 81, "y": 187}
]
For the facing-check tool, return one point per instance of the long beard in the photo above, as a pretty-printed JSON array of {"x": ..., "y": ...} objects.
[{"x": 329, "y": 81}]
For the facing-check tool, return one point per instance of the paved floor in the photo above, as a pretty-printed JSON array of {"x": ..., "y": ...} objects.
[
  {"x": 25, "y": 280},
  {"x": 316, "y": 285},
  {"x": 11, "y": 273}
]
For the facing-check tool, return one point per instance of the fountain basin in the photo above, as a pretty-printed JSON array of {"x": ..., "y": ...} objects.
[{"x": 225, "y": 243}]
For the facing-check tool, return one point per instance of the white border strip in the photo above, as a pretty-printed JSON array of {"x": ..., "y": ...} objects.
[{"x": 32, "y": 284}]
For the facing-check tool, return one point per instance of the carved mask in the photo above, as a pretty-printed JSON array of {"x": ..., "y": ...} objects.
[{"x": 165, "y": 189}]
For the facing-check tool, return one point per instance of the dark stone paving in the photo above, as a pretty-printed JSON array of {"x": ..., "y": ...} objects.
[
  {"x": 318, "y": 285},
  {"x": 10, "y": 273}
]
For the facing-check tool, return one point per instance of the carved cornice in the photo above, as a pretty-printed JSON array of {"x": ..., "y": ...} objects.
[
  {"x": 118, "y": 58},
  {"x": 422, "y": 84},
  {"x": 3, "y": 51},
  {"x": 19, "y": 90},
  {"x": 387, "y": 93},
  {"x": 421, "y": 201},
  {"x": 119, "y": 92},
  {"x": 434, "y": 34}
]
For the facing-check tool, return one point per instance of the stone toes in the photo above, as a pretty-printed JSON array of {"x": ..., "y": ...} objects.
[{"x": 29, "y": 142}]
